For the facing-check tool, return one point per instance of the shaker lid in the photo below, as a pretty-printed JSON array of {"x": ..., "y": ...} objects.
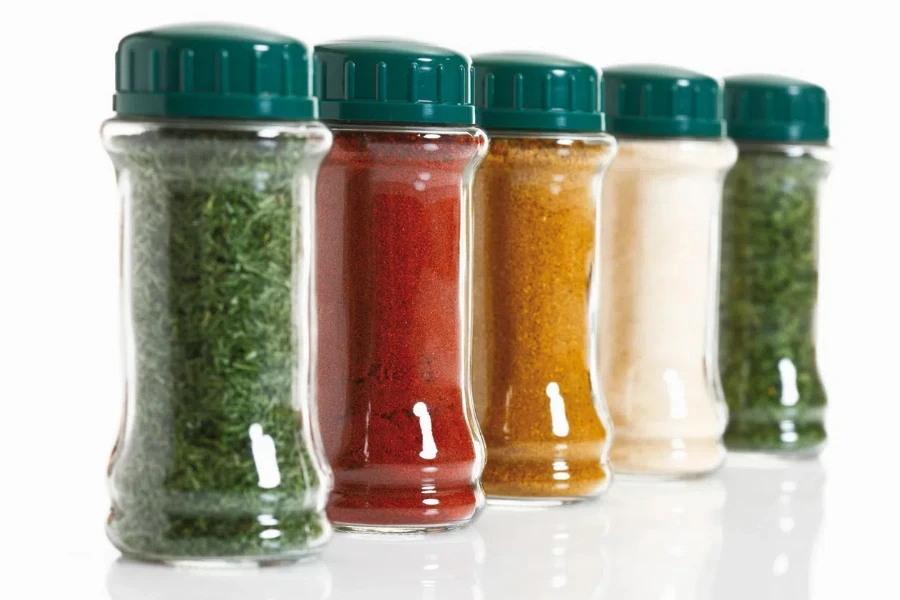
[
  {"x": 662, "y": 101},
  {"x": 775, "y": 108},
  {"x": 537, "y": 92},
  {"x": 217, "y": 71},
  {"x": 393, "y": 81}
]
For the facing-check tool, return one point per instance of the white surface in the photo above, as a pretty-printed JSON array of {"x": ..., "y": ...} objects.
[
  {"x": 749, "y": 532},
  {"x": 59, "y": 381}
]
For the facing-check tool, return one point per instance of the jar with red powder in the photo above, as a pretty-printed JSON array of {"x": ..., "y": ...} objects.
[{"x": 395, "y": 407}]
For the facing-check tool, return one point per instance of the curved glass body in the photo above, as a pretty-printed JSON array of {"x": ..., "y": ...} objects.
[
  {"x": 539, "y": 401},
  {"x": 215, "y": 460},
  {"x": 767, "y": 299},
  {"x": 395, "y": 406},
  {"x": 659, "y": 239}
]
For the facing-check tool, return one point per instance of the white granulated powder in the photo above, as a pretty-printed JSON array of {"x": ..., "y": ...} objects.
[{"x": 659, "y": 245}]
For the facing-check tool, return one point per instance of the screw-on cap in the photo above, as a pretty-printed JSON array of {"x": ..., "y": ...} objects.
[
  {"x": 393, "y": 81},
  {"x": 538, "y": 92},
  {"x": 661, "y": 101},
  {"x": 777, "y": 109},
  {"x": 213, "y": 71}
]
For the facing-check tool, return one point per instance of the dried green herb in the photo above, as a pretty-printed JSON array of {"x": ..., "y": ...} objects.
[
  {"x": 768, "y": 288},
  {"x": 210, "y": 251}
]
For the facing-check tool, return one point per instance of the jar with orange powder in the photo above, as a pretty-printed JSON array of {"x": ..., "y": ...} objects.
[{"x": 535, "y": 291}]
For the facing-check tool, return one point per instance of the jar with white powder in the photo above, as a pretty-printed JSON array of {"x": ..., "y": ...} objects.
[{"x": 659, "y": 249}]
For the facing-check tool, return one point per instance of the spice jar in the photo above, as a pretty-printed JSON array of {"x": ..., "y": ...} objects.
[
  {"x": 539, "y": 404},
  {"x": 769, "y": 265},
  {"x": 216, "y": 152},
  {"x": 394, "y": 329},
  {"x": 658, "y": 270}
]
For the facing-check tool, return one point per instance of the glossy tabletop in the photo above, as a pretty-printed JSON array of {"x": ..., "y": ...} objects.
[{"x": 753, "y": 530}]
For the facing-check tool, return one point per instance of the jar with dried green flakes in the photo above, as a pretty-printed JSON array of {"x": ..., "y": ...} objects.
[
  {"x": 769, "y": 265},
  {"x": 216, "y": 153}
]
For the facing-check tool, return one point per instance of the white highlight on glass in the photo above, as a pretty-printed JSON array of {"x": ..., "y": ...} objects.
[
  {"x": 264, "y": 457},
  {"x": 789, "y": 392},
  {"x": 788, "y": 435},
  {"x": 267, "y": 520},
  {"x": 558, "y": 420},
  {"x": 677, "y": 402},
  {"x": 429, "y": 449}
]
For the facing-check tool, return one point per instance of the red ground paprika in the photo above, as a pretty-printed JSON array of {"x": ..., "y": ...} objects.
[
  {"x": 395, "y": 408},
  {"x": 394, "y": 399}
]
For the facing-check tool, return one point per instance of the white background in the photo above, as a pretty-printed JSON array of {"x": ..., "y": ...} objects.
[{"x": 59, "y": 372}]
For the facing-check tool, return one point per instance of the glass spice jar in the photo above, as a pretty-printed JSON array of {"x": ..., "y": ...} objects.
[
  {"x": 394, "y": 329},
  {"x": 769, "y": 265},
  {"x": 538, "y": 399},
  {"x": 658, "y": 269},
  {"x": 216, "y": 152}
]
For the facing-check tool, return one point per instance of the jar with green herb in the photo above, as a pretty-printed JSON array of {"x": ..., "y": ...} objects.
[
  {"x": 216, "y": 152},
  {"x": 769, "y": 265}
]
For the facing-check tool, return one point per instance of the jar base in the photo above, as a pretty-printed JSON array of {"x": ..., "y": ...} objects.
[
  {"x": 745, "y": 458},
  {"x": 804, "y": 440},
  {"x": 544, "y": 477},
  {"x": 403, "y": 510},
  {"x": 398, "y": 530},
  {"x": 666, "y": 459},
  {"x": 225, "y": 562},
  {"x": 527, "y": 502},
  {"x": 638, "y": 477},
  {"x": 210, "y": 542}
]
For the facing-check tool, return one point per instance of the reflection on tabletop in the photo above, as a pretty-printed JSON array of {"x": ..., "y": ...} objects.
[
  {"x": 747, "y": 532},
  {"x": 558, "y": 552},
  {"x": 128, "y": 580},
  {"x": 772, "y": 520},
  {"x": 665, "y": 538},
  {"x": 441, "y": 566}
]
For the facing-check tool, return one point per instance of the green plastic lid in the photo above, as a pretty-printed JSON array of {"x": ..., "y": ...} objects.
[
  {"x": 393, "y": 81},
  {"x": 661, "y": 101},
  {"x": 773, "y": 108},
  {"x": 537, "y": 92},
  {"x": 213, "y": 71}
]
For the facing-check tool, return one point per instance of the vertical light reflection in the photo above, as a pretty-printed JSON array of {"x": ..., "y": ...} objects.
[
  {"x": 789, "y": 392},
  {"x": 264, "y": 457},
  {"x": 558, "y": 420},
  {"x": 677, "y": 403},
  {"x": 429, "y": 449}
]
